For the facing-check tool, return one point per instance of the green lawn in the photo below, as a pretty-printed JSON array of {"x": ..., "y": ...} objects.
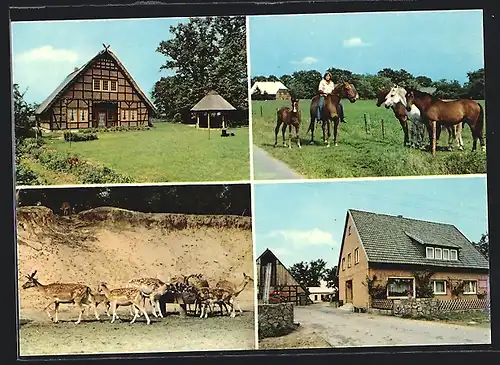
[
  {"x": 361, "y": 154},
  {"x": 168, "y": 152}
]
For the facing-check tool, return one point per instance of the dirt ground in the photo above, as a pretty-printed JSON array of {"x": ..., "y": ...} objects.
[
  {"x": 114, "y": 246},
  {"x": 324, "y": 326}
]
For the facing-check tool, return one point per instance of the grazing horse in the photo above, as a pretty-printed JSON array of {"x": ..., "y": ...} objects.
[
  {"x": 330, "y": 110},
  {"x": 448, "y": 113},
  {"x": 397, "y": 96},
  {"x": 288, "y": 117}
]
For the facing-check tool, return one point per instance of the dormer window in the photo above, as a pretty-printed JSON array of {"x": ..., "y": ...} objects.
[
  {"x": 453, "y": 255},
  {"x": 429, "y": 252},
  {"x": 438, "y": 254},
  {"x": 446, "y": 254}
]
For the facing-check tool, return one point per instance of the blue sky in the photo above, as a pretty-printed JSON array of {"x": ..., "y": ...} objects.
[
  {"x": 305, "y": 221},
  {"x": 45, "y": 52},
  {"x": 438, "y": 44}
]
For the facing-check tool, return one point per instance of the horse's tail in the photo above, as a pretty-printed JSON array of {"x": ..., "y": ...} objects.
[{"x": 480, "y": 119}]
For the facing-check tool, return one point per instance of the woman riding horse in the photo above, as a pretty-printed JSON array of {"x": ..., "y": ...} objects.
[{"x": 326, "y": 87}]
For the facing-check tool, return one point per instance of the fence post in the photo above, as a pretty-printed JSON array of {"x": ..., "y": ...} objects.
[
  {"x": 383, "y": 131},
  {"x": 366, "y": 123},
  {"x": 261, "y": 113}
]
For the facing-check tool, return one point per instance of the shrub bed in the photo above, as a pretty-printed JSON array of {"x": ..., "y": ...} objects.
[
  {"x": 114, "y": 129},
  {"x": 79, "y": 137}
]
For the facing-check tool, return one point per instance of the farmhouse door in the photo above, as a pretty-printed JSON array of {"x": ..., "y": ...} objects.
[
  {"x": 348, "y": 291},
  {"x": 102, "y": 119}
]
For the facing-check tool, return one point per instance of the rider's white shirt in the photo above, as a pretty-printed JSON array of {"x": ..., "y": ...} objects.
[{"x": 326, "y": 87}]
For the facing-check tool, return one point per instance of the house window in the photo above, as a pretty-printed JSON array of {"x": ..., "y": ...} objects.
[
  {"x": 349, "y": 260},
  {"x": 470, "y": 287},
  {"x": 453, "y": 255},
  {"x": 72, "y": 115},
  {"x": 111, "y": 115},
  {"x": 124, "y": 114},
  {"x": 439, "y": 287},
  {"x": 97, "y": 84},
  {"x": 349, "y": 231},
  {"x": 343, "y": 263},
  {"x": 315, "y": 297},
  {"x": 113, "y": 85},
  {"x": 429, "y": 252},
  {"x": 82, "y": 114},
  {"x": 400, "y": 287},
  {"x": 132, "y": 114},
  {"x": 446, "y": 254},
  {"x": 438, "y": 254},
  {"x": 356, "y": 256},
  {"x": 105, "y": 85}
]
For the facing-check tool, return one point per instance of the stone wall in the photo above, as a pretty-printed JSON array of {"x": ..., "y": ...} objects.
[
  {"x": 275, "y": 319},
  {"x": 416, "y": 308}
]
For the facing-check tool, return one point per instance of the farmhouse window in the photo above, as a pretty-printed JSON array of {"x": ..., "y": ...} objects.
[
  {"x": 72, "y": 115},
  {"x": 124, "y": 114},
  {"x": 439, "y": 287},
  {"x": 343, "y": 263},
  {"x": 453, "y": 255},
  {"x": 349, "y": 260},
  {"x": 400, "y": 287},
  {"x": 113, "y": 85},
  {"x": 356, "y": 256},
  {"x": 429, "y": 252},
  {"x": 446, "y": 254},
  {"x": 97, "y": 84},
  {"x": 111, "y": 115},
  {"x": 82, "y": 113},
  {"x": 349, "y": 231},
  {"x": 470, "y": 287},
  {"x": 132, "y": 114},
  {"x": 438, "y": 254},
  {"x": 105, "y": 85}
]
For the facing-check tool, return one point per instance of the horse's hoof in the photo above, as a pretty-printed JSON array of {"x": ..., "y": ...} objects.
[
  {"x": 299, "y": 146},
  {"x": 311, "y": 143},
  {"x": 336, "y": 144},
  {"x": 328, "y": 145},
  {"x": 483, "y": 148}
]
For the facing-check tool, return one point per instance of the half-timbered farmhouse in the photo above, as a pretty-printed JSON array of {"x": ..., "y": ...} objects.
[
  {"x": 274, "y": 277},
  {"x": 101, "y": 93}
]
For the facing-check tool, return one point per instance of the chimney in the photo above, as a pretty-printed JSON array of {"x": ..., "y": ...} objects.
[
  {"x": 75, "y": 68},
  {"x": 400, "y": 216}
]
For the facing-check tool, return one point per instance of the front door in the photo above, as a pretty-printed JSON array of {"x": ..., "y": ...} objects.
[
  {"x": 101, "y": 119},
  {"x": 348, "y": 291}
]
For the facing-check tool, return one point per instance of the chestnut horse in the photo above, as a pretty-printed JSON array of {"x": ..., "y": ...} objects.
[
  {"x": 288, "y": 117},
  {"x": 399, "y": 113},
  {"x": 330, "y": 112},
  {"x": 397, "y": 97},
  {"x": 448, "y": 113}
]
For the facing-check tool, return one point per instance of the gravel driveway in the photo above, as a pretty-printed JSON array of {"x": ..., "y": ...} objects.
[
  {"x": 266, "y": 167},
  {"x": 345, "y": 329}
]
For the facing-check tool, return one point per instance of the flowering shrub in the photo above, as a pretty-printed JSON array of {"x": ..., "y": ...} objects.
[{"x": 277, "y": 297}]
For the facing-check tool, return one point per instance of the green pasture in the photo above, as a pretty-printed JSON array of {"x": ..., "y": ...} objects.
[
  {"x": 167, "y": 153},
  {"x": 362, "y": 152}
]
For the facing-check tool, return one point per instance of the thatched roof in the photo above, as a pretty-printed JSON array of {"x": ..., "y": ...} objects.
[
  {"x": 73, "y": 76},
  {"x": 212, "y": 102}
]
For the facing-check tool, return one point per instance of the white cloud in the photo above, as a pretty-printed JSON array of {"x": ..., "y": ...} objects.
[
  {"x": 305, "y": 238},
  {"x": 306, "y": 61},
  {"x": 280, "y": 251},
  {"x": 354, "y": 42},
  {"x": 48, "y": 53}
]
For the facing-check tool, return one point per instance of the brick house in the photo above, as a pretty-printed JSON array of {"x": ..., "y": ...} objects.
[{"x": 393, "y": 251}]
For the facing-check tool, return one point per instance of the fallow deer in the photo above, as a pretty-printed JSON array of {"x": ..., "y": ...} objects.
[
  {"x": 63, "y": 293},
  {"x": 151, "y": 288},
  {"x": 125, "y": 297},
  {"x": 228, "y": 292}
]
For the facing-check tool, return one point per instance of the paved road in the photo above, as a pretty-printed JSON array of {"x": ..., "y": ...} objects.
[
  {"x": 267, "y": 167},
  {"x": 344, "y": 329}
]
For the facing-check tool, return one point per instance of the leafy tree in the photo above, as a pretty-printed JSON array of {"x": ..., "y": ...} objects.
[
  {"x": 448, "y": 89},
  {"x": 475, "y": 84},
  {"x": 206, "y": 54},
  {"x": 255, "y": 79},
  {"x": 23, "y": 112},
  {"x": 305, "y": 84},
  {"x": 339, "y": 75},
  {"x": 483, "y": 245},
  {"x": 424, "y": 81},
  {"x": 400, "y": 77},
  {"x": 309, "y": 273},
  {"x": 331, "y": 277}
]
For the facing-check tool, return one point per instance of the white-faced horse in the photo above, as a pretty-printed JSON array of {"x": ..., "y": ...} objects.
[{"x": 397, "y": 94}]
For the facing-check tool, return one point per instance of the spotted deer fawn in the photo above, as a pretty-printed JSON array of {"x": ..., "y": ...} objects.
[{"x": 125, "y": 297}]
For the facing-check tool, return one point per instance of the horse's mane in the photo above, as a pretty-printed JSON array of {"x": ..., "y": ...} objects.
[{"x": 419, "y": 93}]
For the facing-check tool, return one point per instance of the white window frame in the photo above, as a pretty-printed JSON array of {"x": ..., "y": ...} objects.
[
  {"x": 434, "y": 287},
  {"x": 474, "y": 291},
  {"x": 74, "y": 113},
  {"x": 349, "y": 261},
  {"x": 343, "y": 263},
  {"x": 124, "y": 114},
  {"x": 401, "y": 277},
  {"x": 436, "y": 250},
  {"x": 107, "y": 84},
  {"x": 456, "y": 255},
  {"x": 111, "y": 82},
  {"x": 356, "y": 256},
  {"x": 447, "y": 252},
  {"x": 132, "y": 112},
  {"x": 427, "y": 251}
]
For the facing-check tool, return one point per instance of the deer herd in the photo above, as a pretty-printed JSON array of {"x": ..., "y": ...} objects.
[{"x": 185, "y": 290}]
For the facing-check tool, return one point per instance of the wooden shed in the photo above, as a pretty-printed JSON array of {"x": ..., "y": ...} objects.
[
  {"x": 212, "y": 111},
  {"x": 279, "y": 279},
  {"x": 101, "y": 93}
]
